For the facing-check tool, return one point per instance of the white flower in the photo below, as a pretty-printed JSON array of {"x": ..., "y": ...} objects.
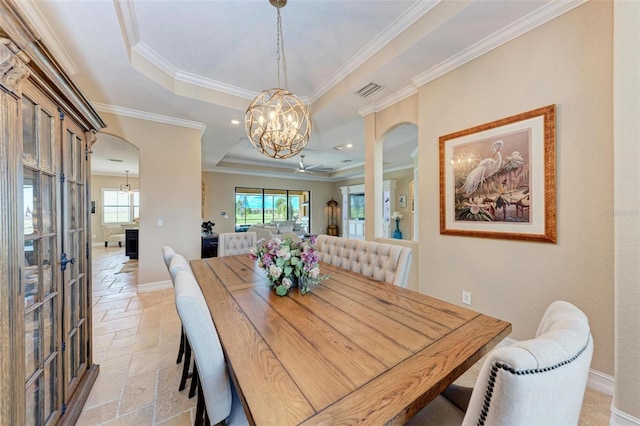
[
  {"x": 314, "y": 272},
  {"x": 396, "y": 215},
  {"x": 284, "y": 253},
  {"x": 274, "y": 271},
  {"x": 286, "y": 281}
]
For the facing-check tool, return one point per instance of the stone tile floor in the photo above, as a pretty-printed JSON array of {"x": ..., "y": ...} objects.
[
  {"x": 135, "y": 342},
  {"x": 136, "y": 339}
]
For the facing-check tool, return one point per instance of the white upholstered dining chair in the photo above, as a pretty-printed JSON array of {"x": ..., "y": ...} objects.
[
  {"x": 537, "y": 382},
  {"x": 215, "y": 391},
  {"x": 232, "y": 243},
  {"x": 167, "y": 255},
  {"x": 380, "y": 261},
  {"x": 179, "y": 263}
]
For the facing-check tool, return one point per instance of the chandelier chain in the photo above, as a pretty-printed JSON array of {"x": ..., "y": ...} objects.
[
  {"x": 277, "y": 123},
  {"x": 280, "y": 51}
]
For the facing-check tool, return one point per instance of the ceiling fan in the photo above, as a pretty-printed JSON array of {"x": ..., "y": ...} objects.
[{"x": 302, "y": 168}]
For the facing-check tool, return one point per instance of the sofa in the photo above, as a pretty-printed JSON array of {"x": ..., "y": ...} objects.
[
  {"x": 280, "y": 230},
  {"x": 113, "y": 233}
]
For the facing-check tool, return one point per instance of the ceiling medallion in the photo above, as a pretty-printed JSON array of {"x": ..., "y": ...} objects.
[{"x": 278, "y": 124}]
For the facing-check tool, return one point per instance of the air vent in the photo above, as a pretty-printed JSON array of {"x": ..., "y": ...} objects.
[
  {"x": 368, "y": 90},
  {"x": 115, "y": 160}
]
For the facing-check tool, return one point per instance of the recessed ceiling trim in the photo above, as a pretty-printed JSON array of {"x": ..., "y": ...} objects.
[
  {"x": 126, "y": 16},
  {"x": 523, "y": 25},
  {"x": 35, "y": 19},
  {"x": 198, "y": 80},
  {"x": 164, "y": 119}
]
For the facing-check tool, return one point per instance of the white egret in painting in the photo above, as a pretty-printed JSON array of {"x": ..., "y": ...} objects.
[{"x": 483, "y": 170}]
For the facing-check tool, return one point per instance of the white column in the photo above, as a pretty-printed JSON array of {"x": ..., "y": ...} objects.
[{"x": 626, "y": 134}]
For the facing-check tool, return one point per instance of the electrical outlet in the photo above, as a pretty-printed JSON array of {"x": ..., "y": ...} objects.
[{"x": 466, "y": 298}]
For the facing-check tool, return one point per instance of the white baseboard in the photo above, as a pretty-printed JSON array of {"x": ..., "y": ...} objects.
[
  {"x": 619, "y": 418},
  {"x": 597, "y": 381},
  {"x": 601, "y": 382},
  {"x": 158, "y": 285}
]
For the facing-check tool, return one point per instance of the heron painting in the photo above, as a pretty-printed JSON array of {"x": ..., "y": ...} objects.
[{"x": 494, "y": 177}]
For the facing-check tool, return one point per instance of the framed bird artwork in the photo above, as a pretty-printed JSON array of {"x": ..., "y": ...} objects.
[{"x": 498, "y": 180}]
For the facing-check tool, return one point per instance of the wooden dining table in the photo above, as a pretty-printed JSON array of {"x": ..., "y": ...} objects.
[{"x": 352, "y": 351}]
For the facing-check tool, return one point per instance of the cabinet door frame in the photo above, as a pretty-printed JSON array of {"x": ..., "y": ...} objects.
[{"x": 32, "y": 92}]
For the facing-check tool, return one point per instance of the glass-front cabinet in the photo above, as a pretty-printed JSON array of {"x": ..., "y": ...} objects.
[{"x": 46, "y": 127}]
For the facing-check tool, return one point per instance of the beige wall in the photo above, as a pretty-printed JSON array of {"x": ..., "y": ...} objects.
[
  {"x": 566, "y": 62},
  {"x": 98, "y": 183},
  {"x": 220, "y": 197},
  {"x": 169, "y": 190},
  {"x": 627, "y": 208}
]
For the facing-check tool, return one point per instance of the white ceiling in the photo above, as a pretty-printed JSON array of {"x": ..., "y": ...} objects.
[{"x": 199, "y": 63}]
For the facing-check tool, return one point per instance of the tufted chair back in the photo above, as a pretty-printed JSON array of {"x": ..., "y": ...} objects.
[
  {"x": 539, "y": 381},
  {"x": 382, "y": 262},
  {"x": 233, "y": 243},
  {"x": 203, "y": 337},
  {"x": 167, "y": 255}
]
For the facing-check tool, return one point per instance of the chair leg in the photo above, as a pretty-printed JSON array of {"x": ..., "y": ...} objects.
[
  {"x": 181, "y": 350},
  {"x": 199, "y": 408},
  {"x": 186, "y": 365},
  {"x": 195, "y": 381}
]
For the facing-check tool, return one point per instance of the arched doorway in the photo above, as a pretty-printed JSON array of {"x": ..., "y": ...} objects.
[{"x": 114, "y": 190}]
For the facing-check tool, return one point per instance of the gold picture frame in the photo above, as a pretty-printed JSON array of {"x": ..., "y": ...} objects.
[{"x": 498, "y": 180}]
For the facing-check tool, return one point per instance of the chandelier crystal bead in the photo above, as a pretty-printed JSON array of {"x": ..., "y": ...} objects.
[{"x": 277, "y": 123}]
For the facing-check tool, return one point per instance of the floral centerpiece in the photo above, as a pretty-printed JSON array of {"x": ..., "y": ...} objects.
[{"x": 289, "y": 263}]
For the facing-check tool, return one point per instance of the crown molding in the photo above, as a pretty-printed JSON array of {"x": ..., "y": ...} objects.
[
  {"x": 404, "y": 21},
  {"x": 200, "y": 81},
  {"x": 523, "y": 25},
  {"x": 30, "y": 11},
  {"x": 264, "y": 173},
  {"x": 142, "y": 115},
  {"x": 128, "y": 24},
  {"x": 147, "y": 53}
]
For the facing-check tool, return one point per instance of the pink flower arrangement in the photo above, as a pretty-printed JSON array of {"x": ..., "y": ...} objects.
[{"x": 289, "y": 263}]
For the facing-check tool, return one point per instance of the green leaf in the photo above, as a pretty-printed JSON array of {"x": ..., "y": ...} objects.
[
  {"x": 279, "y": 262},
  {"x": 287, "y": 270},
  {"x": 281, "y": 290},
  {"x": 294, "y": 261}
]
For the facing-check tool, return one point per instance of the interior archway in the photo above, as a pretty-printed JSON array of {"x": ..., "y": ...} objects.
[
  {"x": 399, "y": 145},
  {"x": 114, "y": 167}
]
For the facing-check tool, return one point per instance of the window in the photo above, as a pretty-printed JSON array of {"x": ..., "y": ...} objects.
[
  {"x": 120, "y": 206},
  {"x": 356, "y": 206},
  {"x": 257, "y": 205}
]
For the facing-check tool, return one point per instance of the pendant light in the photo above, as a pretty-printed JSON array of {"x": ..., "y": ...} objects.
[
  {"x": 125, "y": 187},
  {"x": 277, "y": 123}
]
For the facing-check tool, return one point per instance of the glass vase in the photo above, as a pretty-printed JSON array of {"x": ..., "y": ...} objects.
[{"x": 304, "y": 285}]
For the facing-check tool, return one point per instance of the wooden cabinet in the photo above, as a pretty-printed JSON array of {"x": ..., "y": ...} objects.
[
  {"x": 209, "y": 245},
  {"x": 131, "y": 243},
  {"x": 46, "y": 128}
]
